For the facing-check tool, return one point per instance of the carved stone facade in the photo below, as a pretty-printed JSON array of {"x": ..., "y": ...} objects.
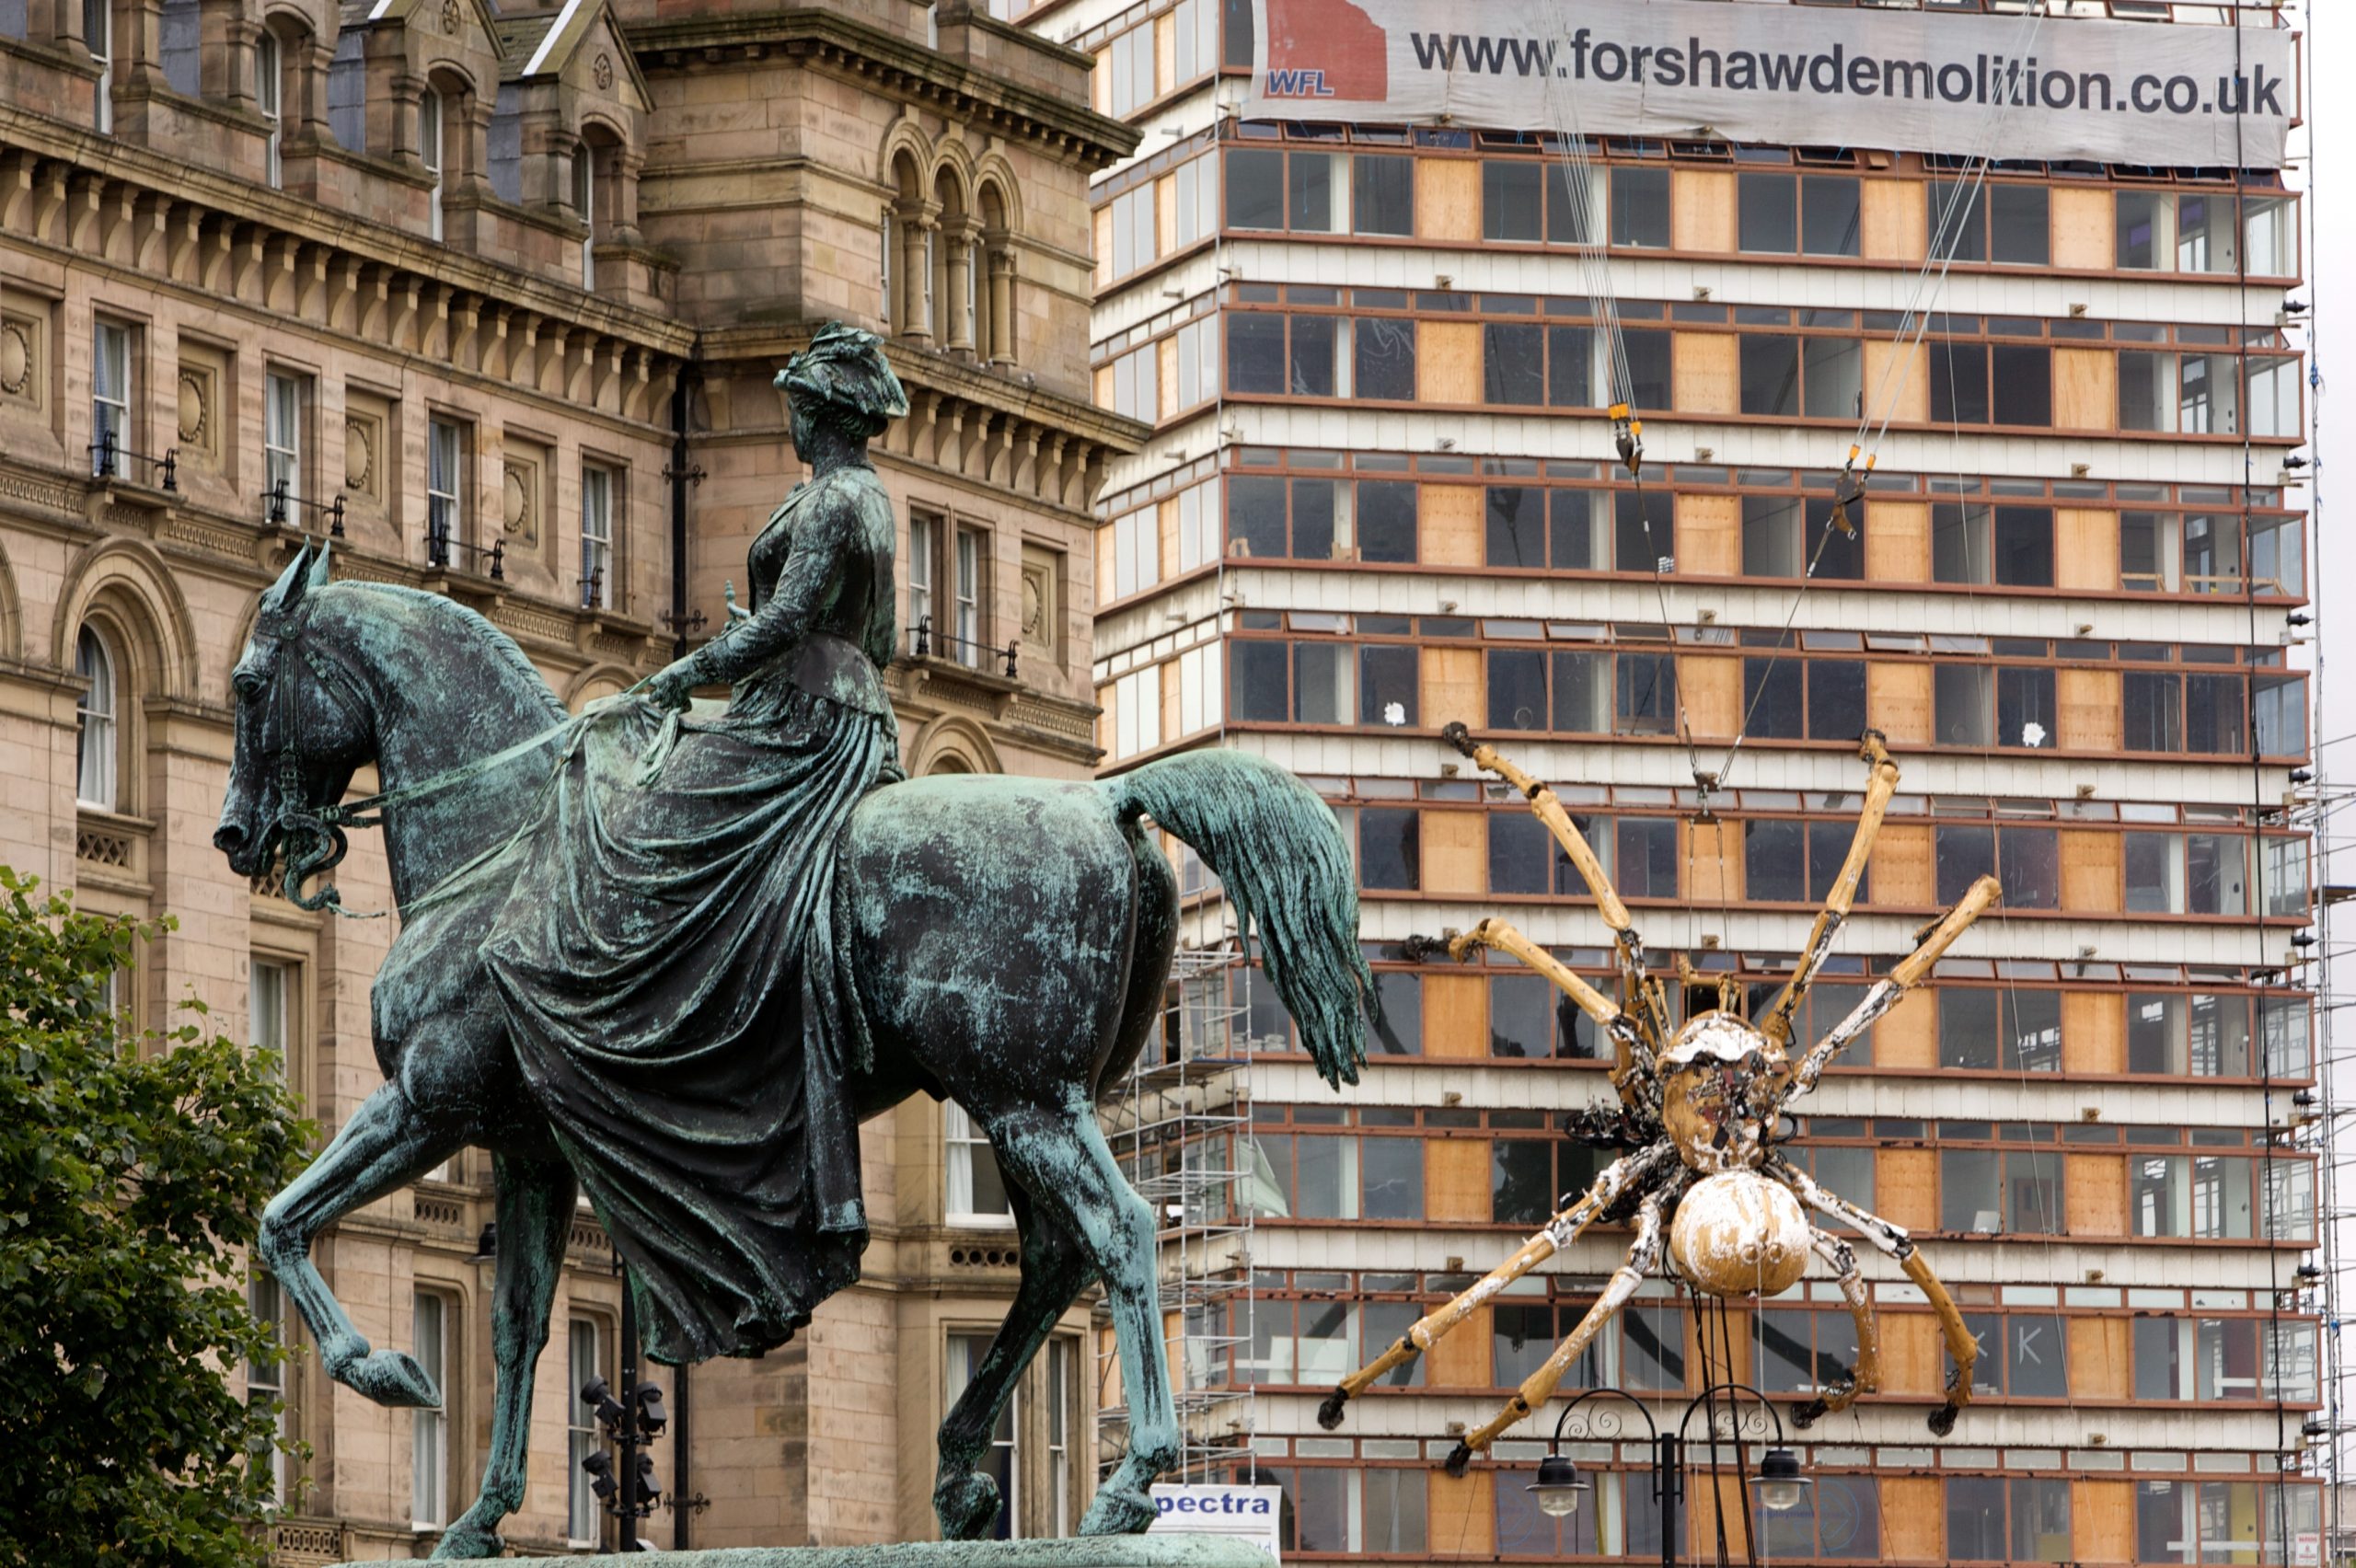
[{"x": 494, "y": 299}]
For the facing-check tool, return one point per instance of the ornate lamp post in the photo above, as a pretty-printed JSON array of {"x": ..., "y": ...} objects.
[{"x": 1560, "y": 1488}]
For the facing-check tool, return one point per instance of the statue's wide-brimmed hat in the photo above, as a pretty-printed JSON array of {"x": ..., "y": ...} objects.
[{"x": 844, "y": 370}]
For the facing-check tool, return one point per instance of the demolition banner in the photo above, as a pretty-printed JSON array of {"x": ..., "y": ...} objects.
[{"x": 2009, "y": 86}]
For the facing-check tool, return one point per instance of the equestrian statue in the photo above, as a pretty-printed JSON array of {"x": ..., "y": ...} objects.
[{"x": 671, "y": 953}]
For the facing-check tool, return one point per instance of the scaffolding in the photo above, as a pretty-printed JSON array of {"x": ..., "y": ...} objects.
[{"x": 1179, "y": 1126}]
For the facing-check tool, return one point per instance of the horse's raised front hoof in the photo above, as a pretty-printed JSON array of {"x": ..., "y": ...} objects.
[
  {"x": 391, "y": 1378},
  {"x": 466, "y": 1541},
  {"x": 1942, "y": 1420},
  {"x": 1329, "y": 1412},
  {"x": 1118, "y": 1510},
  {"x": 966, "y": 1506}
]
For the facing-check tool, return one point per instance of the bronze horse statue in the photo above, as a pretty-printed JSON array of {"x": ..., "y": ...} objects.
[{"x": 1011, "y": 938}]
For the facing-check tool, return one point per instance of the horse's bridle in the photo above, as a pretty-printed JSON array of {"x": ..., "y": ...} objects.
[{"x": 314, "y": 836}]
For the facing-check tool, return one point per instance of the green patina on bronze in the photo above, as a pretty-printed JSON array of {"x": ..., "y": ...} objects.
[{"x": 676, "y": 956}]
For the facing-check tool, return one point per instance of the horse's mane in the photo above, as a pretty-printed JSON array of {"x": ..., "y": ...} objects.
[{"x": 448, "y": 616}]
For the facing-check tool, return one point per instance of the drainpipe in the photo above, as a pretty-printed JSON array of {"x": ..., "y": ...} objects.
[{"x": 679, "y": 474}]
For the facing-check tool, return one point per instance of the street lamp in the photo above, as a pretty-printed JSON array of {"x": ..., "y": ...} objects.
[{"x": 1560, "y": 1488}]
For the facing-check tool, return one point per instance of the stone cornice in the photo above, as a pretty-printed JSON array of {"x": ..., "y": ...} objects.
[
  {"x": 63, "y": 185},
  {"x": 1092, "y": 140}
]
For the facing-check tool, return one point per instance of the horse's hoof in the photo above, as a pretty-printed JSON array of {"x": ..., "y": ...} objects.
[
  {"x": 966, "y": 1506},
  {"x": 1942, "y": 1421},
  {"x": 1118, "y": 1511},
  {"x": 390, "y": 1378},
  {"x": 468, "y": 1542}
]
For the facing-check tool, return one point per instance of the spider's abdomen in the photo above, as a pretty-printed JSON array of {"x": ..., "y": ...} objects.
[{"x": 1739, "y": 1233}]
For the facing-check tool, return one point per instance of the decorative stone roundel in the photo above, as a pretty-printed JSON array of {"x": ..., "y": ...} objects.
[
  {"x": 192, "y": 409},
  {"x": 601, "y": 71},
  {"x": 449, "y": 16},
  {"x": 359, "y": 454},
  {"x": 1033, "y": 608},
  {"x": 518, "y": 502},
  {"x": 15, "y": 360}
]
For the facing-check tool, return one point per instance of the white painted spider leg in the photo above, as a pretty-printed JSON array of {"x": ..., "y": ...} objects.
[
  {"x": 1644, "y": 1257},
  {"x": 1893, "y": 1240},
  {"x": 1629, "y": 947},
  {"x": 1615, "y": 1182},
  {"x": 1865, "y": 1378},
  {"x": 1885, "y": 991},
  {"x": 1777, "y": 1023}
]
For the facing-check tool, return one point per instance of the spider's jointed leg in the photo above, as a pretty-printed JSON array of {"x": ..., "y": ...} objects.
[
  {"x": 1892, "y": 1239},
  {"x": 1616, "y": 1180},
  {"x": 1867, "y": 1377},
  {"x": 1644, "y": 1257}
]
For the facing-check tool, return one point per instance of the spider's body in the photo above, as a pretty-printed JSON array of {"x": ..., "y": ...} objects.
[{"x": 1697, "y": 1109}]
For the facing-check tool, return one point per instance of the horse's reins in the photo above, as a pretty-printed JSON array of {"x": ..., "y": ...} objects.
[{"x": 315, "y": 837}]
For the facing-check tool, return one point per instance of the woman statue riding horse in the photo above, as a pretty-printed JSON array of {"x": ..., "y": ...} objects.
[
  {"x": 678, "y": 953},
  {"x": 668, "y": 955}
]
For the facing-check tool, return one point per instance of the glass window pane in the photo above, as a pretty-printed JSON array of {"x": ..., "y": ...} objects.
[
  {"x": 1383, "y": 194},
  {"x": 1770, "y": 375},
  {"x": 1513, "y": 362},
  {"x": 2016, "y": 221},
  {"x": 1256, "y": 183},
  {"x": 1768, "y": 217},
  {"x": 1510, "y": 201},
  {"x": 1640, "y": 207},
  {"x": 1829, "y": 214},
  {"x": 1382, "y": 358}
]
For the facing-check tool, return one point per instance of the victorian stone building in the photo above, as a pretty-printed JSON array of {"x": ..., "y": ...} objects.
[{"x": 494, "y": 299}]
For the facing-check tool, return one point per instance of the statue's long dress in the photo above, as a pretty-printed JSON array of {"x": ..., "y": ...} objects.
[{"x": 668, "y": 955}]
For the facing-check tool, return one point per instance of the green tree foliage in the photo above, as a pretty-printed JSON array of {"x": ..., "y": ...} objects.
[{"x": 132, "y": 1171}]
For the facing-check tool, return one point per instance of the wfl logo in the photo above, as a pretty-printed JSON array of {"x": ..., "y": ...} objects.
[{"x": 1299, "y": 82}]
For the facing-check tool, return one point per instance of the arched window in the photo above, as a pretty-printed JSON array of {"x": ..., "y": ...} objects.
[
  {"x": 270, "y": 97},
  {"x": 98, "y": 738},
  {"x": 429, "y": 154}
]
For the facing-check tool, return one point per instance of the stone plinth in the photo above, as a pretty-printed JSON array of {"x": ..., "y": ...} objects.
[{"x": 1086, "y": 1551}]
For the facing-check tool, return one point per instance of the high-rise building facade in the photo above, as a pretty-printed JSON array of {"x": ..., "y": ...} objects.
[
  {"x": 493, "y": 298},
  {"x": 1384, "y": 493}
]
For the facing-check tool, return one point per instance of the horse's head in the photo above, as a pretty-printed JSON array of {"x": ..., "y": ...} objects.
[{"x": 301, "y": 731}]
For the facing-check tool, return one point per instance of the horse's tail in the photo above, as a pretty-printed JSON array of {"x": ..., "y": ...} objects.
[{"x": 1278, "y": 852}]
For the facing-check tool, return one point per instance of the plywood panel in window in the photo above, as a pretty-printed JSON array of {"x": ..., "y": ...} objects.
[
  {"x": 1701, "y": 209},
  {"x": 1450, "y": 525},
  {"x": 1901, "y": 394},
  {"x": 1902, "y": 868},
  {"x": 2085, "y": 234},
  {"x": 2085, "y": 389},
  {"x": 1103, "y": 251},
  {"x": 1709, "y": 536},
  {"x": 1913, "y": 1517},
  {"x": 1165, "y": 214},
  {"x": 2090, "y": 870},
  {"x": 1908, "y": 1034},
  {"x": 1165, "y": 525},
  {"x": 2102, "y": 1522},
  {"x": 2085, "y": 549},
  {"x": 2093, "y": 1031},
  {"x": 1455, "y": 852},
  {"x": 1448, "y": 198},
  {"x": 1913, "y": 1356},
  {"x": 1169, "y": 701},
  {"x": 1450, "y": 687},
  {"x": 1456, "y": 1178},
  {"x": 1702, "y": 374},
  {"x": 1714, "y": 1501},
  {"x": 1897, "y": 541},
  {"x": 1461, "y": 1360},
  {"x": 2099, "y": 1365},
  {"x": 1165, "y": 388},
  {"x": 1456, "y": 1017},
  {"x": 1898, "y": 702},
  {"x": 2087, "y": 704},
  {"x": 1712, "y": 856},
  {"x": 1463, "y": 1510},
  {"x": 1165, "y": 53},
  {"x": 1892, "y": 221},
  {"x": 1711, "y": 689},
  {"x": 2094, "y": 1194},
  {"x": 1447, "y": 362},
  {"x": 1906, "y": 1187}
]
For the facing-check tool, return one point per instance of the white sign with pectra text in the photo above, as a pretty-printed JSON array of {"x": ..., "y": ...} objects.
[
  {"x": 2002, "y": 85},
  {"x": 1241, "y": 1513}
]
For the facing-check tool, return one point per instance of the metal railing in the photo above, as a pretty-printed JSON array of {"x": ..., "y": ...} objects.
[
  {"x": 277, "y": 499},
  {"x": 924, "y": 643},
  {"x": 109, "y": 455},
  {"x": 440, "y": 545}
]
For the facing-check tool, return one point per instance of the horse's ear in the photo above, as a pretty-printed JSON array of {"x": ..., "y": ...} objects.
[
  {"x": 319, "y": 563},
  {"x": 288, "y": 592}
]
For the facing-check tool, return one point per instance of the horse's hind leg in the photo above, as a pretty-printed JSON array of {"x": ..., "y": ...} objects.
[
  {"x": 384, "y": 1146},
  {"x": 535, "y": 1199},
  {"x": 964, "y": 1500},
  {"x": 1061, "y": 1159}
]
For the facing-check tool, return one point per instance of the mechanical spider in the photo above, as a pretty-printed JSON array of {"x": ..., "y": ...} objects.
[{"x": 1697, "y": 1107}]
